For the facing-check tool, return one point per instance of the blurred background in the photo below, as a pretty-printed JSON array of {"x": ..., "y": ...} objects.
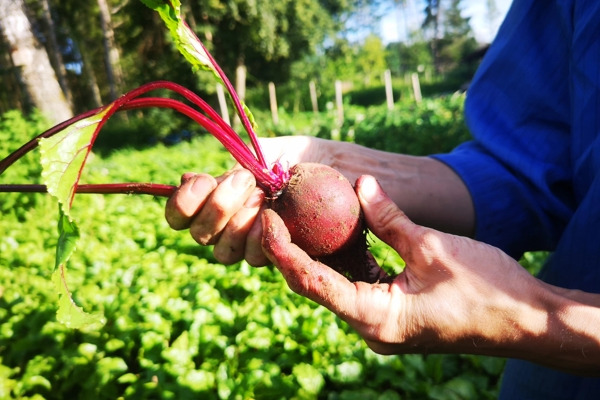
[
  {"x": 390, "y": 75},
  {"x": 92, "y": 51}
]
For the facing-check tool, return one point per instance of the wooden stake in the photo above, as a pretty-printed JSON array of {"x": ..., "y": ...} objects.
[
  {"x": 389, "y": 93},
  {"x": 223, "y": 104},
  {"x": 339, "y": 102},
  {"x": 273, "y": 102},
  {"x": 416, "y": 87},
  {"x": 240, "y": 88},
  {"x": 313, "y": 97}
]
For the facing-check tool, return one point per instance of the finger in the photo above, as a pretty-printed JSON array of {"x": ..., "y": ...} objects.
[
  {"x": 224, "y": 202},
  {"x": 384, "y": 218},
  {"x": 188, "y": 199},
  {"x": 231, "y": 246},
  {"x": 303, "y": 275},
  {"x": 254, "y": 254}
]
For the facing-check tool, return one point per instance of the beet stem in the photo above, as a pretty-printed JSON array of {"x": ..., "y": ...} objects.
[{"x": 153, "y": 189}]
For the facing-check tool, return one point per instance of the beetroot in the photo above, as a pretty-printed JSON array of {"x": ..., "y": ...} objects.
[
  {"x": 320, "y": 209},
  {"x": 323, "y": 215}
]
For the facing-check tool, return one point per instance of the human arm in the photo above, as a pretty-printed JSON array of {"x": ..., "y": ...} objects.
[
  {"x": 219, "y": 213},
  {"x": 455, "y": 295}
]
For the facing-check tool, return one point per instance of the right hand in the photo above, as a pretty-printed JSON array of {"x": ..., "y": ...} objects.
[{"x": 223, "y": 211}]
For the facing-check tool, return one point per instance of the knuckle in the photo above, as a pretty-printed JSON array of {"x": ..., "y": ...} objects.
[
  {"x": 429, "y": 244},
  {"x": 389, "y": 215},
  {"x": 219, "y": 210},
  {"x": 227, "y": 255},
  {"x": 201, "y": 235}
]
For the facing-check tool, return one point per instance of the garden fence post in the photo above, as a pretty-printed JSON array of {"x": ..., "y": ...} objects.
[
  {"x": 339, "y": 102},
  {"x": 416, "y": 87},
  {"x": 240, "y": 88},
  {"x": 313, "y": 96},
  {"x": 273, "y": 102},
  {"x": 223, "y": 104},
  {"x": 389, "y": 93}
]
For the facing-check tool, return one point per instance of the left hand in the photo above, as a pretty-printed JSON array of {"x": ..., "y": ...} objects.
[{"x": 455, "y": 294}]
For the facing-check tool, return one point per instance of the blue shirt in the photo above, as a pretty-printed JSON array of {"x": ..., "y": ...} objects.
[{"x": 533, "y": 168}]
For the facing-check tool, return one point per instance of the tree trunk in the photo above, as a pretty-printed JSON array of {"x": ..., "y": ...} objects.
[
  {"x": 11, "y": 97},
  {"x": 111, "y": 52},
  {"x": 54, "y": 53},
  {"x": 27, "y": 54},
  {"x": 89, "y": 77}
]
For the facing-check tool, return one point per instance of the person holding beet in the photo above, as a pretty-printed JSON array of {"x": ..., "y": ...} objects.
[{"x": 530, "y": 180}]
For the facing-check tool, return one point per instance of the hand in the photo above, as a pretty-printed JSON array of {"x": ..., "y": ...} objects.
[
  {"x": 455, "y": 294},
  {"x": 223, "y": 210}
]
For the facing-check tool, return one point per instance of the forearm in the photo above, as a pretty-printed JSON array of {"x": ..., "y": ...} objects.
[
  {"x": 561, "y": 333},
  {"x": 428, "y": 191},
  {"x": 570, "y": 337},
  {"x": 547, "y": 328}
]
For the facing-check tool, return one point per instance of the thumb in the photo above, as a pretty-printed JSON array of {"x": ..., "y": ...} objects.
[
  {"x": 304, "y": 275},
  {"x": 383, "y": 216}
]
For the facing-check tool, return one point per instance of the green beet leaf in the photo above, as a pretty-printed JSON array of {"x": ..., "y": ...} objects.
[
  {"x": 188, "y": 43},
  {"x": 64, "y": 155},
  {"x": 68, "y": 312},
  {"x": 63, "y": 158}
]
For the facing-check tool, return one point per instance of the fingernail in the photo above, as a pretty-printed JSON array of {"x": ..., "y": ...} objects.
[
  {"x": 369, "y": 190},
  {"x": 255, "y": 199},
  {"x": 198, "y": 188},
  {"x": 241, "y": 179},
  {"x": 187, "y": 176}
]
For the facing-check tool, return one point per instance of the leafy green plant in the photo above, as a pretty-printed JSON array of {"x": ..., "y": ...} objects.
[
  {"x": 179, "y": 324},
  {"x": 433, "y": 126},
  {"x": 65, "y": 149}
]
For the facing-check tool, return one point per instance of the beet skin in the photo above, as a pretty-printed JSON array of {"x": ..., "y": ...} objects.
[
  {"x": 322, "y": 213},
  {"x": 320, "y": 209}
]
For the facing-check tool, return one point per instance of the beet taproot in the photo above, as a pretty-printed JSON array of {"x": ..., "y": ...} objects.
[
  {"x": 322, "y": 213},
  {"x": 320, "y": 209}
]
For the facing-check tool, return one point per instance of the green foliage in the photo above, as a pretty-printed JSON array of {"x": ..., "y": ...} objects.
[
  {"x": 371, "y": 59},
  {"x": 534, "y": 261},
  {"x": 15, "y": 130},
  {"x": 63, "y": 158},
  {"x": 179, "y": 325},
  {"x": 408, "y": 57},
  {"x": 433, "y": 126},
  {"x": 372, "y": 96}
]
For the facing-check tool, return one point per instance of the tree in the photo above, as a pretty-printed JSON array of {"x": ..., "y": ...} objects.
[
  {"x": 455, "y": 25},
  {"x": 32, "y": 62},
  {"x": 457, "y": 41},
  {"x": 431, "y": 23},
  {"x": 371, "y": 59},
  {"x": 111, "y": 52},
  {"x": 403, "y": 57},
  {"x": 268, "y": 36},
  {"x": 54, "y": 52}
]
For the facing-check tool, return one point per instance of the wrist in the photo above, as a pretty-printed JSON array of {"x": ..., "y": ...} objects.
[{"x": 547, "y": 328}]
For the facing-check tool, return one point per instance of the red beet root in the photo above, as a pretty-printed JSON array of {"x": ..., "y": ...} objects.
[
  {"x": 320, "y": 209},
  {"x": 323, "y": 215}
]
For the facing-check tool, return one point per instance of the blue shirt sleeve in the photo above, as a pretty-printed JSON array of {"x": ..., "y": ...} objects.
[{"x": 518, "y": 168}]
